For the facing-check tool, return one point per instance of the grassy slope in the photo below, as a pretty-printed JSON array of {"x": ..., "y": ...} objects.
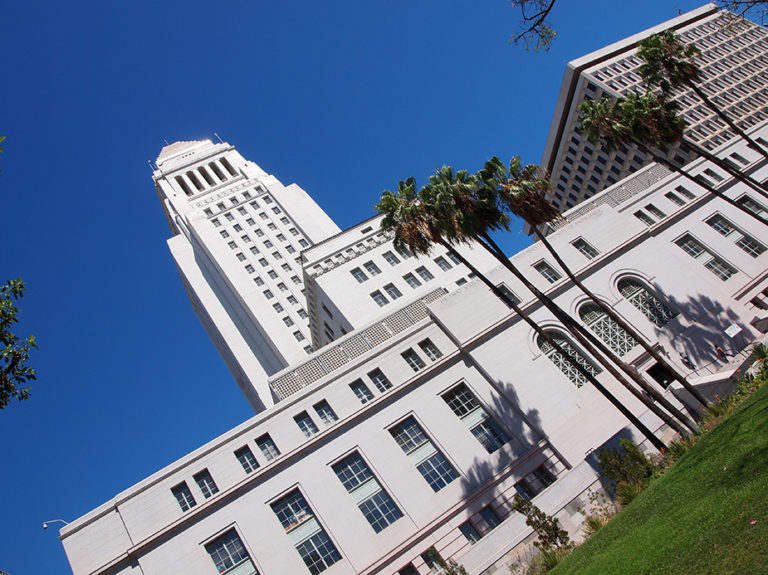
[{"x": 696, "y": 518}]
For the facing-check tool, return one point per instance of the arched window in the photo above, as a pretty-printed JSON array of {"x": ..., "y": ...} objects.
[
  {"x": 654, "y": 308},
  {"x": 566, "y": 364},
  {"x": 607, "y": 329}
]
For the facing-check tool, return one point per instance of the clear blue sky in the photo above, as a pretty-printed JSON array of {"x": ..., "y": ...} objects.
[{"x": 343, "y": 98}]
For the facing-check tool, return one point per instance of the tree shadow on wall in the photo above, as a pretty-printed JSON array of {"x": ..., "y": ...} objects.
[{"x": 708, "y": 321}]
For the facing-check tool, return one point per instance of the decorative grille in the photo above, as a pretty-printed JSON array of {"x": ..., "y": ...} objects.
[
  {"x": 652, "y": 307},
  {"x": 566, "y": 364},
  {"x": 607, "y": 329}
]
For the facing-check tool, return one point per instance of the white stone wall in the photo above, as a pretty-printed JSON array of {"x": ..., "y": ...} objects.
[{"x": 548, "y": 419}]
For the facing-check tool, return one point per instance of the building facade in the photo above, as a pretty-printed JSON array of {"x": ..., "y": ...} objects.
[
  {"x": 734, "y": 64},
  {"x": 237, "y": 238},
  {"x": 409, "y": 435}
]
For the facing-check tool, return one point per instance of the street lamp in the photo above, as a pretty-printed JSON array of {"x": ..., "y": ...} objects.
[{"x": 46, "y": 523}]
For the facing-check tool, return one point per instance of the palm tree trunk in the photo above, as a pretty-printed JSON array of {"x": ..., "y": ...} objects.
[
  {"x": 590, "y": 342},
  {"x": 631, "y": 417},
  {"x": 759, "y": 187},
  {"x": 667, "y": 163},
  {"x": 619, "y": 320},
  {"x": 720, "y": 114}
]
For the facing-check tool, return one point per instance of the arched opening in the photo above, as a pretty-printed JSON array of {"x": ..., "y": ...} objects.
[
  {"x": 564, "y": 363},
  {"x": 607, "y": 329},
  {"x": 651, "y": 305}
]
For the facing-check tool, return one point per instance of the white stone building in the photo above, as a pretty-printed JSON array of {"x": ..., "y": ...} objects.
[
  {"x": 734, "y": 63},
  {"x": 237, "y": 238},
  {"x": 413, "y": 430}
]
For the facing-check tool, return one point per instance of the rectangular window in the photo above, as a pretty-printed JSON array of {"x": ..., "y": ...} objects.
[
  {"x": 747, "y": 243},
  {"x": 443, "y": 264},
  {"x": 404, "y": 252},
  {"x": 432, "y": 465},
  {"x": 392, "y": 291},
  {"x": 372, "y": 500},
  {"x": 424, "y": 273},
  {"x": 306, "y": 533},
  {"x": 645, "y": 218},
  {"x": 268, "y": 447},
  {"x": 546, "y": 270},
  {"x": 655, "y": 212},
  {"x": 372, "y": 268},
  {"x": 451, "y": 256},
  {"x": 305, "y": 423},
  {"x": 674, "y": 198},
  {"x": 361, "y": 391},
  {"x": 245, "y": 456},
  {"x": 359, "y": 275},
  {"x": 297, "y": 334},
  {"x": 509, "y": 294},
  {"x": 379, "y": 298},
  {"x": 753, "y": 206},
  {"x": 586, "y": 249},
  {"x": 229, "y": 554},
  {"x": 470, "y": 532},
  {"x": 412, "y": 359},
  {"x": 380, "y": 380},
  {"x": 206, "y": 483},
  {"x": 490, "y": 517},
  {"x": 326, "y": 413},
  {"x": 184, "y": 496},
  {"x": 466, "y": 407},
  {"x": 411, "y": 280},
  {"x": 391, "y": 258},
  {"x": 697, "y": 251},
  {"x": 430, "y": 350}
]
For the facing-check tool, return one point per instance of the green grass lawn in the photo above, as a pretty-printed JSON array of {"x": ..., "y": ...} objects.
[{"x": 696, "y": 517}]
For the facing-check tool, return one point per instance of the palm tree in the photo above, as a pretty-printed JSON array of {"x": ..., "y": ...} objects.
[
  {"x": 669, "y": 64},
  {"x": 406, "y": 216},
  {"x": 523, "y": 191},
  {"x": 466, "y": 213},
  {"x": 643, "y": 120}
]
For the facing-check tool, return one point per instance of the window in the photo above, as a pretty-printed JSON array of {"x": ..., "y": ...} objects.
[
  {"x": 268, "y": 447},
  {"x": 392, "y": 291},
  {"x": 654, "y": 308},
  {"x": 279, "y": 309},
  {"x": 546, "y": 270},
  {"x": 268, "y": 294},
  {"x": 287, "y": 321},
  {"x": 645, "y": 218},
  {"x": 490, "y": 517},
  {"x": 258, "y": 281},
  {"x": 391, "y": 258},
  {"x": 250, "y": 269},
  {"x": 232, "y": 245},
  {"x": 461, "y": 281},
  {"x": 697, "y": 251},
  {"x": 432, "y": 560},
  {"x": 306, "y": 533},
  {"x": 674, "y": 198},
  {"x": 411, "y": 280},
  {"x": 216, "y": 222},
  {"x": 753, "y": 206},
  {"x": 303, "y": 243},
  {"x": 430, "y": 350},
  {"x": 263, "y": 262},
  {"x": 379, "y": 298},
  {"x": 586, "y": 249},
  {"x": 451, "y": 256},
  {"x": 206, "y": 483},
  {"x": 408, "y": 570},
  {"x": 432, "y": 465},
  {"x": 254, "y": 250},
  {"x": 183, "y": 496},
  {"x": 372, "y": 268},
  {"x": 272, "y": 274},
  {"x": 245, "y": 456},
  {"x": 567, "y": 364},
  {"x": 297, "y": 334},
  {"x": 412, "y": 359},
  {"x": 375, "y": 503},
  {"x": 227, "y": 552},
  {"x": 470, "y": 532},
  {"x": 361, "y": 391},
  {"x": 359, "y": 275},
  {"x": 294, "y": 232},
  {"x": 466, "y": 407},
  {"x": 237, "y": 228},
  {"x": 654, "y": 211},
  {"x": 229, "y": 216},
  {"x": 443, "y": 264},
  {"x": 296, "y": 280},
  {"x": 509, "y": 294},
  {"x": 424, "y": 273},
  {"x": 326, "y": 414},
  {"x": 302, "y": 314},
  {"x": 305, "y": 423},
  {"x": 404, "y": 252},
  {"x": 267, "y": 244},
  {"x": 747, "y": 243},
  {"x": 607, "y": 329},
  {"x": 240, "y": 256},
  {"x": 380, "y": 380},
  {"x": 282, "y": 287}
]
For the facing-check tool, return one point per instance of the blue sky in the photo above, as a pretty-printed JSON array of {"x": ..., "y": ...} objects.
[{"x": 343, "y": 98}]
